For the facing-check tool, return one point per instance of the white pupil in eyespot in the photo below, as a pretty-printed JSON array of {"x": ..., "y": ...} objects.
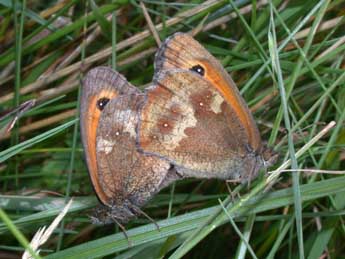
[
  {"x": 102, "y": 102},
  {"x": 198, "y": 69}
]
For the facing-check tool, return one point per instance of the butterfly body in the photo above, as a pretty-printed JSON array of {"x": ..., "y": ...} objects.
[{"x": 191, "y": 122}]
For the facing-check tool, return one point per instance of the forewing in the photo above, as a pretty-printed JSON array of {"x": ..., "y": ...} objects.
[
  {"x": 123, "y": 173},
  {"x": 181, "y": 51},
  {"x": 186, "y": 121},
  {"x": 100, "y": 85}
]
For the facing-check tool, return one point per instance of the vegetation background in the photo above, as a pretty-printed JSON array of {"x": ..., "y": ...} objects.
[{"x": 287, "y": 58}]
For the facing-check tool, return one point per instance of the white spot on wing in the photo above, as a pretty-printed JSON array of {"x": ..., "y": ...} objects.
[
  {"x": 187, "y": 120},
  {"x": 216, "y": 104},
  {"x": 105, "y": 145},
  {"x": 127, "y": 119}
]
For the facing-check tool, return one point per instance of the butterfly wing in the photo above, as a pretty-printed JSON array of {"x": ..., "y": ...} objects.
[
  {"x": 185, "y": 120},
  {"x": 183, "y": 52},
  {"x": 126, "y": 175},
  {"x": 99, "y": 86}
]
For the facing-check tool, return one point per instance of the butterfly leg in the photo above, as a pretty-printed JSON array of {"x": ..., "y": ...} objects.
[
  {"x": 230, "y": 191},
  {"x": 138, "y": 211},
  {"x": 123, "y": 229},
  {"x": 234, "y": 193}
]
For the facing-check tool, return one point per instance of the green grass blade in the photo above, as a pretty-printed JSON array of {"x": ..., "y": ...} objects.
[
  {"x": 6, "y": 154},
  {"x": 20, "y": 237},
  {"x": 272, "y": 41},
  {"x": 180, "y": 224}
]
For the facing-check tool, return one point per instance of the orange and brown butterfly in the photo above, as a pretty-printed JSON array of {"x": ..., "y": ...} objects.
[
  {"x": 191, "y": 122},
  {"x": 123, "y": 179},
  {"x": 194, "y": 116}
]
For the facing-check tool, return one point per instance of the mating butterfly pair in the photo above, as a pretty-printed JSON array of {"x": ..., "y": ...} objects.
[{"x": 191, "y": 122}]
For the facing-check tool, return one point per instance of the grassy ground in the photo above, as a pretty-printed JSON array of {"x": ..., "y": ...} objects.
[{"x": 287, "y": 58}]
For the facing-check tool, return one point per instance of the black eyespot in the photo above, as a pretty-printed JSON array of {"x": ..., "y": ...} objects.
[
  {"x": 199, "y": 69},
  {"x": 101, "y": 103}
]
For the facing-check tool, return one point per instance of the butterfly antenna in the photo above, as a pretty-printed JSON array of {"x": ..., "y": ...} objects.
[{"x": 139, "y": 211}]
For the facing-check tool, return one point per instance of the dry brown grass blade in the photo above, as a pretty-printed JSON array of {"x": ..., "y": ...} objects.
[
  {"x": 43, "y": 123},
  {"x": 326, "y": 25},
  {"x": 264, "y": 101},
  {"x": 44, "y": 15},
  {"x": 228, "y": 17},
  {"x": 89, "y": 39},
  {"x": 69, "y": 85},
  {"x": 150, "y": 24},
  {"x": 339, "y": 42},
  {"x": 43, "y": 234},
  {"x": 16, "y": 114},
  {"x": 7, "y": 73},
  {"x": 107, "y": 51}
]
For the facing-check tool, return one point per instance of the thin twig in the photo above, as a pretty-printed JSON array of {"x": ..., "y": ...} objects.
[
  {"x": 276, "y": 173},
  {"x": 150, "y": 24},
  {"x": 311, "y": 170}
]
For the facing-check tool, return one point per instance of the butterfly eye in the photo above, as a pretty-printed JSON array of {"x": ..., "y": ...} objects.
[
  {"x": 198, "y": 69},
  {"x": 101, "y": 103}
]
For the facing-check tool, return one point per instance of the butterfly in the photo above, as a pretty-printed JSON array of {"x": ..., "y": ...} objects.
[{"x": 190, "y": 122}]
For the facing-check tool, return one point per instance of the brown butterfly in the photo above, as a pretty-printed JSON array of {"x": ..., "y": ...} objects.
[{"x": 191, "y": 122}]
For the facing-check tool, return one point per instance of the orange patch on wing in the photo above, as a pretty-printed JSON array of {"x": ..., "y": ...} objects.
[
  {"x": 92, "y": 121},
  {"x": 231, "y": 97}
]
